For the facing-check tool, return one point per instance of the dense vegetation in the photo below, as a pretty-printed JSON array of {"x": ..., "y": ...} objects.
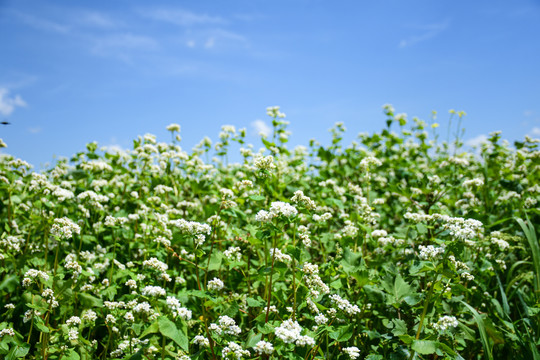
[{"x": 397, "y": 246}]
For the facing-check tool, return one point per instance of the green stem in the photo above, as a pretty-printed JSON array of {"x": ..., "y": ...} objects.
[
  {"x": 270, "y": 283},
  {"x": 294, "y": 276},
  {"x": 163, "y": 348},
  {"x": 424, "y": 311},
  {"x": 56, "y": 255},
  {"x": 31, "y": 324},
  {"x": 114, "y": 257}
]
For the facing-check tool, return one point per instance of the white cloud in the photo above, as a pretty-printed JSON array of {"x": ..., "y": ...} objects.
[
  {"x": 123, "y": 44},
  {"x": 476, "y": 141},
  {"x": 8, "y": 104},
  {"x": 35, "y": 130},
  {"x": 113, "y": 146},
  {"x": 261, "y": 128},
  {"x": 210, "y": 43},
  {"x": 180, "y": 17},
  {"x": 96, "y": 19},
  {"x": 221, "y": 38},
  {"x": 527, "y": 113},
  {"x": 428, "y": 32},
  {"x": 39, "y": 23},
  {"x": 535, "y": 131}
]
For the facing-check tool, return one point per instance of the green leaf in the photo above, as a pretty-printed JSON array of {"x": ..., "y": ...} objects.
[
  {"x": 252, "y": 340},
  {"x": 344, "y": 333},
  {"x": 168, "y": 329},
  {"x": 374, "y": 357},
  {"x": 71, "y": 355},
  {"x": 9, "y": 283},
  {"x": 257, "y": 197},
  {"x": 421, "y": 228},
  {"x": 294, "y": 251},
  {"x": 398, "y": 290},
  {"x": 424, "y": 347},
  {"x": 530, "y": 234},
  {"x": 110, "y": 292},
  {"x": 152, "y": 329},
  {"x": 482, "y": 329},
  {"x": 215, "y": 261},
  {"x": 40, "y": 325},
  {"x": 232, "y": 310},
  {"x": 18, "y": 351},
  {"x": 88, "y": 300},
  {"x": 267, "y": 328},
  {"x": 351, "y": 261},
  {"x": 336, "y": 284},
  {"x": 136, "y": 356},
  {"x": 400, "y": 327},
  {"x": 251, "y": 302}
]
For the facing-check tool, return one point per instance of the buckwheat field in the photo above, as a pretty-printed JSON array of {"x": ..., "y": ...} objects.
[{"x": 400, "y": 245}]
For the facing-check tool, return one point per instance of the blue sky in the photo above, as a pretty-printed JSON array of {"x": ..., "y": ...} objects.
[{"x": 80, "y": 71}]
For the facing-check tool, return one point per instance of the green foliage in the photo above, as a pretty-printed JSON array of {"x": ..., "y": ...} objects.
[{"x": 396, "y": 246}]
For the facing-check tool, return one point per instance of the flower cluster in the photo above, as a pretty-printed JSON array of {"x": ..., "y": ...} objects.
[{"x": 445, "y": 322}]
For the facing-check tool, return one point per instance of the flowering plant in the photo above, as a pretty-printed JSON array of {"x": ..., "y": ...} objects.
[{"x": 396, "y": 246}]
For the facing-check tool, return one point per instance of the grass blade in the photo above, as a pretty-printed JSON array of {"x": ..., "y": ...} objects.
[
  {"x": 482, "y": 330},
  {"x": 530, "y": 234}
]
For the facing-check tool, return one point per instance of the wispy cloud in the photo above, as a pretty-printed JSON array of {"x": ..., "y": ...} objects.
[
  {"x": 477, "y": 140},
  {"x": 261, "y": 128},
  {"x": 214, "y": 38},
  {"x": 427, "y": 32},
  {"x": 123, "y": 44},
  {"x": 8, "y": 104},
  {"x": 180, "y": 17},
  {"x": 40, "y": 23},
  {"x": 114, "y": 146},
  {"x": 97, "y": 19},
  {"x": 35, "y": 130},
  {"x": 210, "y": 42},
  {"x": 535, "y": 131}
]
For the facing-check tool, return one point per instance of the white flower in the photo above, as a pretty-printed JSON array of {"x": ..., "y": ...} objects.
[
  {"x": 288, "y": 331},
  {"x": 74, "y": 320},
  {"x": 153, "y": 291},
  {"x": 429, "y": 252},
  {"x": 64, "y": 228},
  {"x": 234, "y": 349},
  {"x": 305, "y": 341},
  {"x": 73, "y": 334},
  {"x": 445, "y": 322},
  {"x": 89, "y": 315},
  {"x": 173, "y": 127},
  {"x": 201, "y": 341},
  {"x": 279, "y": 256},
  {"x": 215, "y": 284},
  {"x": 233, "y": 253},
  {"x": 264, "y": 348},
  {"x": 131, "y": 283},
  {"x": 367, "y": 161},
  {"x": 299, "y": 197},
  {"x": 264, "y": 216},
  {"x": 7, "y": 331},
  {"x": 345, "y": 305},
  {"x": 226, "y": 325},
  {"x": 352, "y": 351},
  {"x": 321, "y": 319},
  {"x": 264, "y": 163},
  {"x": 282, "y": 208},
  {"x": 378, "y": 233},
  {"x": 156, "y": 264}
]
